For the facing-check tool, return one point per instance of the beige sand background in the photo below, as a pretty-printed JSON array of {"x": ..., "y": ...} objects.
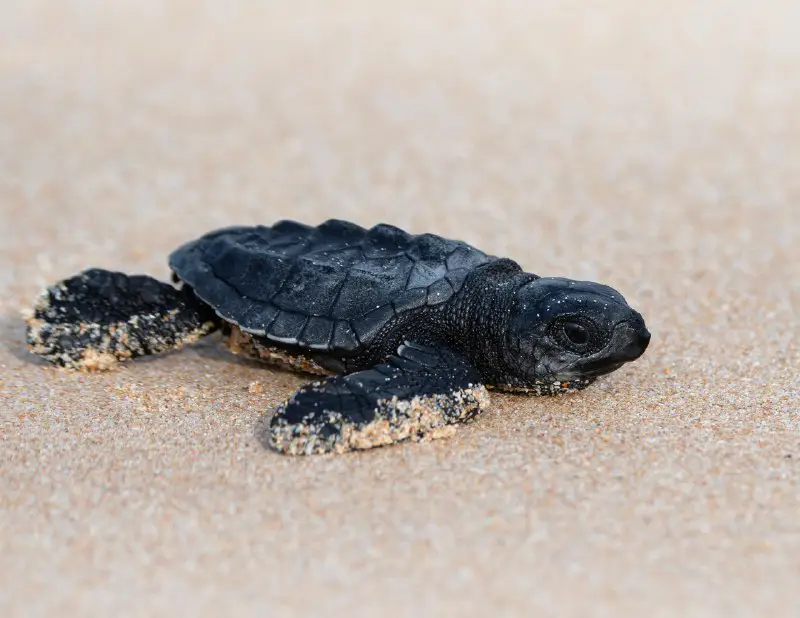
[{"x": 654, "y": 146}]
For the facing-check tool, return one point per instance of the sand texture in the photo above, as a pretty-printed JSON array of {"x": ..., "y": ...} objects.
[{"x": 653, "y": 146}]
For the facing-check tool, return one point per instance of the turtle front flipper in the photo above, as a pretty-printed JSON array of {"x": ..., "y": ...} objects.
[
  {"x": 98, "y": 318},
  {"x": 419, "y": 393}
]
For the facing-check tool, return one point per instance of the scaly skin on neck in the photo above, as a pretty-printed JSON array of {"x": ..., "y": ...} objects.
[{"x": 486, "y": 303}]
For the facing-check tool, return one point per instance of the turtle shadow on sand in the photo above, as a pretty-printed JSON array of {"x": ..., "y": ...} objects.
[
  {"x": 261, "y": 430},
  {"x": 14, "y": 341}
]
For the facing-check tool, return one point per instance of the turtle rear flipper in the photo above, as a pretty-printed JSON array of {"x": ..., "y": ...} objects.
[
  {"x": 418, "y": 393},
  {"x": 98, "y": 318}
]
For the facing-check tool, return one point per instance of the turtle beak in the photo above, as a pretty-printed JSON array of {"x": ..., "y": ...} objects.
[{"x": 628, "y": 342}]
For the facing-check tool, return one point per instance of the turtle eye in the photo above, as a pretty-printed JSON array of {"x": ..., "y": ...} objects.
[{"x": 576, "y": 333}]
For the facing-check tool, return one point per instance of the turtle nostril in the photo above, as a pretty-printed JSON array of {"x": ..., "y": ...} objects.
[
  {"x": 633, "y": 341},
  {"x": 637, "y": 345}
]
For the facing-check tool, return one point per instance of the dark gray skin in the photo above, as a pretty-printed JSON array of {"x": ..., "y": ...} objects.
[{"x": 412, "y": 327}]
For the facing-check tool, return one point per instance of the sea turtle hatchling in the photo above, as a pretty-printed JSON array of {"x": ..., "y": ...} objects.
[{"x": 409, "y": 329}]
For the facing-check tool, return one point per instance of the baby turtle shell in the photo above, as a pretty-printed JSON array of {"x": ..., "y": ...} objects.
[{"x": 327, "y": 288}]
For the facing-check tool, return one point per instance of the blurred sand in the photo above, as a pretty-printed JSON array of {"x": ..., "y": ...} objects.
[{"x": 654, "y": 146}]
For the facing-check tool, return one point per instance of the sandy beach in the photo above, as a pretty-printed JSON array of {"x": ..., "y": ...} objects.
[{"x": 651, "y": 146}]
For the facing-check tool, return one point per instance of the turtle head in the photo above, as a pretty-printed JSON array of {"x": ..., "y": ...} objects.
[{"x": 563, "y": 333}]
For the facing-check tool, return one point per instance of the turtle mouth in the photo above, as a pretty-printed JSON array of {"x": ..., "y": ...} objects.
[{"x": 589, "y": 371}]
